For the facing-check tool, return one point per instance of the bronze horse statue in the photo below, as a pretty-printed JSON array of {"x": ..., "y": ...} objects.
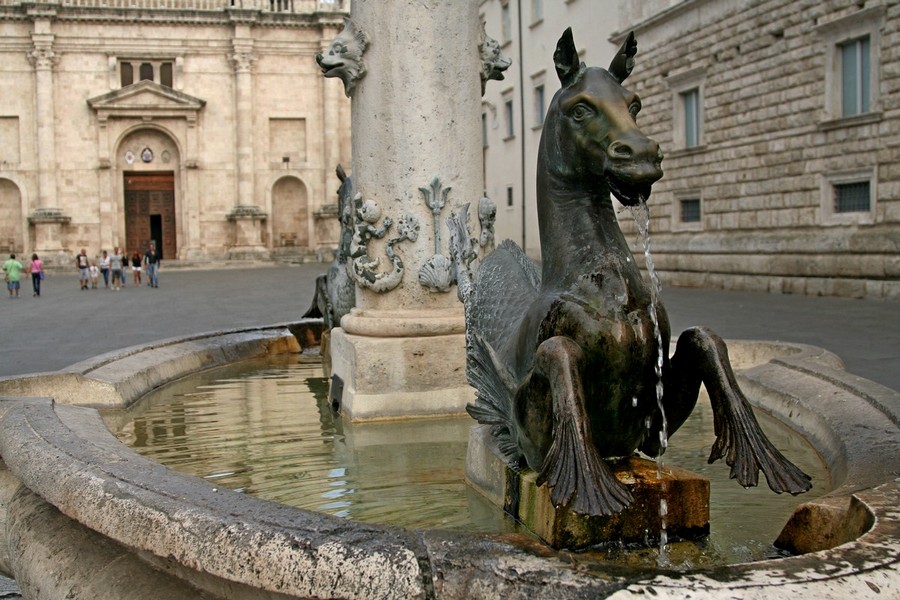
[{"x": 566, "y": 362}]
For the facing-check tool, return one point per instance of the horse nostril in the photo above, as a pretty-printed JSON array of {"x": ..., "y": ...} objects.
[{"x": 620, "y": 150}]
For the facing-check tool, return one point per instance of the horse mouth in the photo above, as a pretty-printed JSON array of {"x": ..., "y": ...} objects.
[{"x": 629, "y": 193}]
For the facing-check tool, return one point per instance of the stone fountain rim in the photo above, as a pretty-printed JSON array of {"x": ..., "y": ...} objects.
[{"x": 67, "y": 456}]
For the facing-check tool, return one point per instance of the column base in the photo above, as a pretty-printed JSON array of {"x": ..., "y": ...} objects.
[{"x": 390, "y": 372}]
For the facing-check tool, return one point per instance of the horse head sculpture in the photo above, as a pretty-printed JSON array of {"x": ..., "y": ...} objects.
[{"x": 569, "y": 363}]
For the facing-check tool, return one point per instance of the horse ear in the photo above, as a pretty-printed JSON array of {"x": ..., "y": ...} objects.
[
  {"x": 623, "y": 62},
  {"x": 566, "y": 60}
]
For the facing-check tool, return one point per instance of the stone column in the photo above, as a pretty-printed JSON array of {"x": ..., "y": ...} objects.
[
  {"x": 247, "y": 216},
  {"x": 416, "y": 157},
  {"x": 47, "y": 218}
]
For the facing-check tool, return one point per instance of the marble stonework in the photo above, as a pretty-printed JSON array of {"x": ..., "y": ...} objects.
[{"x": 243, "y": 120}]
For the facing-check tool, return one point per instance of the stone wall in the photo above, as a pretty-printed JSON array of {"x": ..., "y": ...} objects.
[{"x": 772, "y": 146}]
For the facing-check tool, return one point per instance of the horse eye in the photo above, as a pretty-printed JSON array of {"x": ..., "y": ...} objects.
[
  {"x": 580, "y": 112},
  {"x": 634, "y": 109}
]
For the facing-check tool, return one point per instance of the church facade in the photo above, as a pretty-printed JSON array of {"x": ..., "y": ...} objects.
[{"x": 203, "y": 127}]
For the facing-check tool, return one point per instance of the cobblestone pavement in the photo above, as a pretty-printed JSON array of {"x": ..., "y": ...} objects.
[{"x": 66, "y": 325}]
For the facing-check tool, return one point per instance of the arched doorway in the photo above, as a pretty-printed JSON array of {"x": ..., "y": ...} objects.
[
  {"x": 149, "y": 159},
  {"x": 11, "y": 238},
  {"x": 290, "y": 213}
]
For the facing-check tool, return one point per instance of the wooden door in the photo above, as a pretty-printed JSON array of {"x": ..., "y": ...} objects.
[{"x": 150, "y": 212}]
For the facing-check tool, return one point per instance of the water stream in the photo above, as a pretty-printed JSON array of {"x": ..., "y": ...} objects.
[{"x": 641, "y": 214}]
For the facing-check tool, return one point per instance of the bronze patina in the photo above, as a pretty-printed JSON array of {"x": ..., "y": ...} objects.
[{"x": 565, "y": 359}]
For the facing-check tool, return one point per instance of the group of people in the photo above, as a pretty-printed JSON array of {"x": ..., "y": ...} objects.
[
  {"x": 113, "y": 267},
  {"x": 12, "y": 270}
]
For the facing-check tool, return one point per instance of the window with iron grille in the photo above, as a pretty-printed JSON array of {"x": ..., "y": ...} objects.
[
  {"x": 690, "y": 210},
  {"x": 852, "y": 197}
]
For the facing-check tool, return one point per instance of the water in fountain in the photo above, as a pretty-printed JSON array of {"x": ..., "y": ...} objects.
[
  {"x": 641, "y": 214},
  {"x": 266, "y": 428}
]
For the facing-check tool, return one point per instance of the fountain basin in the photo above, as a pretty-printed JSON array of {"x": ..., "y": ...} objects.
[{"x": 84, "y": 512}]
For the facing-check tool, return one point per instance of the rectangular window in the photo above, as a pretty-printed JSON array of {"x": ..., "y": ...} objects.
[
  {"x": 537, "y": 10},
  {"x": 540, "y": 107},
  {"x": 165, "y": 74},
  {"x": 691, "y": 102},
  {"x": 852, "y": 197},
  {"x": 510, "y": 121},
  {"x": 159, "y": 71},
  {"x": 127, "y": 73},
  {"x": 506, "y": 19},
  {"x": 509, "y": 196},
  {"x": 484, "y": 130},
  {"x": 855, "y": 77},
  {"x": 690, "y": 210}
]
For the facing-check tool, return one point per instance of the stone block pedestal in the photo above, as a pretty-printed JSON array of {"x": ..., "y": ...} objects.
[
  {"x": 686, "y": 494},
  {"x": 248, "y": 227},
  {"x": 400, "y": 364},
  {"x": 48, "y": 226}
]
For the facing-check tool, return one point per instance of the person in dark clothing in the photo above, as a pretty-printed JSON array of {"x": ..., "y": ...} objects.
[{"x": 152, "y": 262}]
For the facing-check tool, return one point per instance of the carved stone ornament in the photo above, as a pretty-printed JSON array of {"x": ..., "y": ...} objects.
[
  {"x": 242, "y": 59},
  {"x": 493, "y": 63},
  {"x": 487, "y": 214},
  {"x": 464, "y": 249},
  {"x": 365, "y": 268},
  {"x": 247, "y": 212},
  {"x": 344, "y": 57},
  {"x": 42, "y": 57},
  {"x": 48, "y": 215},
  {"x": 437, "y": 272}
]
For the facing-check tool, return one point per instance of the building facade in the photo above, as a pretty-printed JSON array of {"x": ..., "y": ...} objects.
[
  {"x": 201, "y": 126},
  {"x": 780, "y": 123}
]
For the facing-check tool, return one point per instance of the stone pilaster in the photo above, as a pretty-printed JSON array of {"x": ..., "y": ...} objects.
[
  {"x": 47, "y": 219},
  {"x": 247, "y": 218},
  {"x": 416, "y": 132}
]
